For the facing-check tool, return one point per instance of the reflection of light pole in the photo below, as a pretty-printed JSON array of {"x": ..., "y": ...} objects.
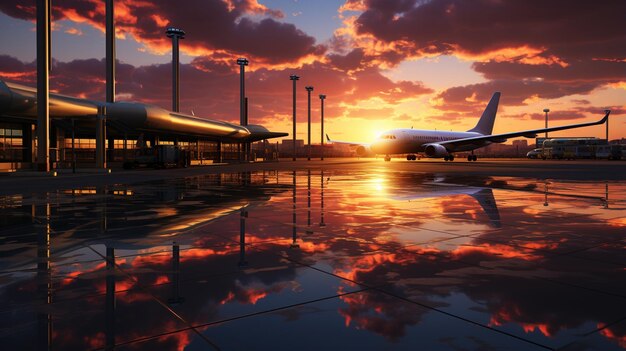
[
  {"x": 176, "y": 298},
  {"x": 242, "y": 238},
  {"x": 545, "y": 192},
  {"x": 110, "y": 299},
  {"x": 309, "y": 89},
  {"x": 44, "y": 280},
  {"x": 294, "y": 243},
  {"x": 175, "y": 34},
  {"x": 322, "y": 224},
  {"x": 606, "y": 196},
  {"x": 322, "y": 97},
  {"x": 308, "y": 221},
  {"x": 294, "y": 78}
]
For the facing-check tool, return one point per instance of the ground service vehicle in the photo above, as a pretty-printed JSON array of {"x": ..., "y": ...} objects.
[{"x": 160, "y": 156}]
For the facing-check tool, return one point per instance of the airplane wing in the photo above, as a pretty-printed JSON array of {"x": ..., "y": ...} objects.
[
  {"x": 353, "y": 144},
  {"x": 451, "y": 145}
]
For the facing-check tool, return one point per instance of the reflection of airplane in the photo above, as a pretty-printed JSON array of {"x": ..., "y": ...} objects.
[
  {"x": 440, "y": 188},
  {"x": 438, "y": 144},
  {"x": 428, "y": 186}
]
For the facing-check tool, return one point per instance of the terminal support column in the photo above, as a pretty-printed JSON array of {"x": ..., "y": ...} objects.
[
  {"x": 101, "y": 137},
  {"x": 43, "y": 87}
]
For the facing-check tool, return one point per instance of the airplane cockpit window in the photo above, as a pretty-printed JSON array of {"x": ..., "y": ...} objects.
[{"x": 388, "y": 136}]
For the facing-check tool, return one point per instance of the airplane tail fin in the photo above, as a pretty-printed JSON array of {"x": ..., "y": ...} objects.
[{"x": 485, "y": 123}]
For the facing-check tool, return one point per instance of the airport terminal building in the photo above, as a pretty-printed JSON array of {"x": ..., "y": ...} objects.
[{"x": 123, "y": 132}]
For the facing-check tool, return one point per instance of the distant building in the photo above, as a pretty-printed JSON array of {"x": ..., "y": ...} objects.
[
  {"x": 522, "y": 144},
  {"x": 285, "y": 149}
]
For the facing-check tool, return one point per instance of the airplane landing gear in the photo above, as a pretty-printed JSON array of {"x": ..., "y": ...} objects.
[
  {"x": 411, "y": 157},
  {"x": 449, "y": 158},
  {"x": 387, "y": 158},
  {"x": 472, "y": 158}
]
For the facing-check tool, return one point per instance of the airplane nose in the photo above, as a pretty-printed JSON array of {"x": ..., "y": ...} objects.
[{"x": 376, "y": 148}]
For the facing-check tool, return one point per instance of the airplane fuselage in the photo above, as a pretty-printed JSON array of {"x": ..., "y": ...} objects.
[
  {"x": 442, "y": 144},
  {"x": 407, "y": 141}
]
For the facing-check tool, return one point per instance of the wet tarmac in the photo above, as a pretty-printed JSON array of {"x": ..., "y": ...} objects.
[{"x": 366, "y": 257}]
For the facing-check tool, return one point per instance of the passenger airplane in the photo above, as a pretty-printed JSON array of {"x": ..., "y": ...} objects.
[{"x": 438, "y": 144}]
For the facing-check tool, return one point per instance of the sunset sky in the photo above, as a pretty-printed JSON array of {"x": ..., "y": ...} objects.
[{"x": 382, "y": 63}]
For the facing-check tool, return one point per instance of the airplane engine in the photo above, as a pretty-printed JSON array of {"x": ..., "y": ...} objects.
[
  {"x": 362, "y": 151},
  {"x": 436, "y": 150}
]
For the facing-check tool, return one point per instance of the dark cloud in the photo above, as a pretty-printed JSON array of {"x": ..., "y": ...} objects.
[
  {"x": 372, "y": 83},
  {"x": 526, "y": 48},
  {"x": 576, "y": 113},
  {"x": 348, "y": 62},
  {"x": 514, "y": 92},
  {"x": 596, "y": 71},
  {"x": 583, "y": 29},
  {"x": 14, "y": 69},
  {"x": 210, "y": 25}
]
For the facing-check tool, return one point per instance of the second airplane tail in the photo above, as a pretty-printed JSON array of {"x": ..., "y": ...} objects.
[{"x": 485, "y": 123}]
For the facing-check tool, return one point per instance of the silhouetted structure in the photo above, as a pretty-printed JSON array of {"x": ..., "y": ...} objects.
[
  {"x": 175, "y": 34},
  {"x": 322, "y": 98},
  {"x": 294, "y": 78},
  {"x": 309, "y": 89}
]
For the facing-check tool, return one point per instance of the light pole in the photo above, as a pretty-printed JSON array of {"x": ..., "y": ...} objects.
[
  {"x": 607, "y": 126},
  {"x": 242, "y": 62},
  {"x": 546, "y": 110},
  {"x": 322, "y": 97},
  {"x": 294, "y": 78},
  {"x": 175, "y": 34},
  {"x": 309, "y": 89},
  {"x": 243, "y": 120},
  {"x": 110, "y": 51}
]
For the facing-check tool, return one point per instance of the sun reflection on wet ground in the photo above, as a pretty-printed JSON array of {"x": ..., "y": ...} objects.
[{"x": 367, "y": 259}]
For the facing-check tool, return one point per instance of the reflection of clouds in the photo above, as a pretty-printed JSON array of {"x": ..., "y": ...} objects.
[
  {"x": 617, "y": 222},
  {"x": 365, "y": 264},
  {"x": 147, "y": 278},
  {"x": 378, "y": 313},
  {"x": 619, "y": 336},
  {"x": 494, "y": 250},
  {"x": 528, "y": 242},
  {"x": 519, "y": 276}
]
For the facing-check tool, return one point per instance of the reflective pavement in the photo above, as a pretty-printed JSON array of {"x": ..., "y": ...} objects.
[{"x": 370, "y": 259}]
